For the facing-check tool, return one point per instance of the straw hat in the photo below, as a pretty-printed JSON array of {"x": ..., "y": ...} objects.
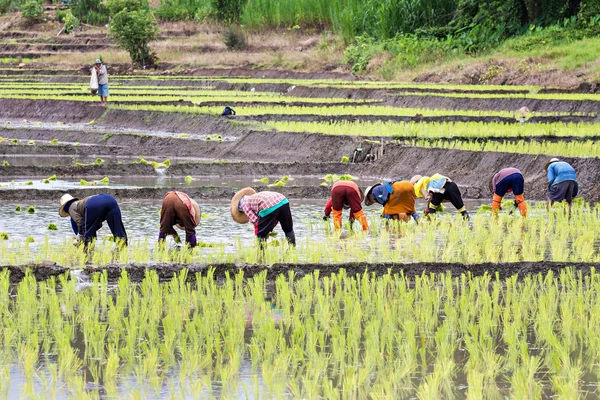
[
  {"x": 368, "y": 201},
  {"x": 553, "y": 160},
  {"x": 236, "y": 214},
  {"x": 198, "y": 215},
  {"x": 64, "y": 200},
  {"x": 415, "y": 179}
]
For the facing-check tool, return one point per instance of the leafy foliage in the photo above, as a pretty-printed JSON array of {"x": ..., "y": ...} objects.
[
  {"x": 234, "y": 38},
  {"x": 31, "y": 10},
  {"x": 71, "y": 22},
  {"x": 133, "y": 30},
  {"x": 92, "y": 12}
]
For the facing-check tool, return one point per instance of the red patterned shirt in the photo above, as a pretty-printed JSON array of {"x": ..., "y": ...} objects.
[{"x": 252, "y": 205}]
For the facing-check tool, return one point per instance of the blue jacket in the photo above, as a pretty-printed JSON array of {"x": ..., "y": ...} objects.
[{"x": 560, "y": 171}]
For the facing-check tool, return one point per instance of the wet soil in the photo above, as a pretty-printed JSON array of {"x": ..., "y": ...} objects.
[
  {"x": 147, "y": 193},
  {"x": 504, "y": 270},
  {"x": 40, "y": 271}
]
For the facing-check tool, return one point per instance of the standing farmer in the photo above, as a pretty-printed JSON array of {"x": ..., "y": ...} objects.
[
  {"x": 179, "y": 209},
  {"x": 264, "y": 210},
  {"x": 102, "y": 81},
  {"x": 88, "y": 214},
  {"x": 346, "y": 194},
  {"x": 396, "y": 197},
  {"x": 505, "y": 181},
  {"x": 435, "y": 190},
  {"x": 562, "y": 182}
]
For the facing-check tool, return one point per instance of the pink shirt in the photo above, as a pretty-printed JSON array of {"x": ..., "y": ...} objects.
[{"x": 503, "y": 173}]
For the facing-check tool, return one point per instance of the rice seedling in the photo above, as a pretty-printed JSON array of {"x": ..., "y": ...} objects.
[
  {"x": 52, "y": 227},
  {"x": 54, "y": 141},
  {"x": 3, "y": 236},
  {"x": 18, "y": 208},
  {"x": 31, "y": 142},
  {"x": 15, "y": 141},
  {"x": 188, "y": 179},
  {"x": 5, "y": 163},
  {"x": 29, "y": 239},
  {"x": 31, "y": 209},
  {"x": 83, "y": 182}
]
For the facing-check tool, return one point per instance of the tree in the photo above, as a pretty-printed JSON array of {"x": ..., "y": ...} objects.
[{"x": 133, "y": 30}]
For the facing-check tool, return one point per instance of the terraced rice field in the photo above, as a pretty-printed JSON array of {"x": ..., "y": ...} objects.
[{"x": 487, "y": 308}]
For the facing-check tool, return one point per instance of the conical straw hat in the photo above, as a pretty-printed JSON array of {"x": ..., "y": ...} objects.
[
  {"x": 64, "y": 200},
  {"x": 236, "y": 214},
  {"x": 553, "y": 160},
  {"x": 369, "y": 202}
]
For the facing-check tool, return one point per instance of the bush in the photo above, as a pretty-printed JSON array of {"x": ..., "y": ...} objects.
[
  {"x": 93, "y": 12},
  {"x": 133, "y": 30},
  {"x": 228, "y": 10},
  {"x": 171, "y": 12},
  {"x": 71, "y": 22},
  {"x": 234, "y": 38},
  {"x": 31, "y": 10},
  {"x": 61, "y": 14},
  {"x": 5, "y": 6}
]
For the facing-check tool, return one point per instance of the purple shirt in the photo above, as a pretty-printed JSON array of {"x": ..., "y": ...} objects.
[{"x": 503, "y": 173}]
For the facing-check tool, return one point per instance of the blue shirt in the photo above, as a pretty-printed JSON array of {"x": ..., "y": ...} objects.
[{"x": 560, "y": 171}]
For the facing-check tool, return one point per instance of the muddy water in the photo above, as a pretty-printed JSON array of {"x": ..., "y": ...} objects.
[{"x": 142, "y": 221}]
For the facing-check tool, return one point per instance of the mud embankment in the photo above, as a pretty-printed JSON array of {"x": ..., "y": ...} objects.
[
  {"x": 181, "y": 169},
  {"x": 167, "y": 272}
]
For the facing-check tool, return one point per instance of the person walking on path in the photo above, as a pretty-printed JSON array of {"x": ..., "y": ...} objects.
[
  {"x": 397, "y": 199},
  {"x": 562, "y": 182},
  {"x": 505, "y": 181},
  {"x": 102, "y": 75},
  {"x": 435, "y": 190},
  {"x": 264, "y": 210},
  {"x": 88, "y": 214},
  {"x": 178, "y": 209},
  {"x": 346, "y": 194}
]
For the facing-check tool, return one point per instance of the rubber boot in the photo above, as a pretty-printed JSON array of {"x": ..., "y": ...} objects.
[
  {"x": 521, "y": 205},
  {"x": 291, "y": 237}
]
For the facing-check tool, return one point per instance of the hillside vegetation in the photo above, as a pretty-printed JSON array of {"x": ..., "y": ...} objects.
[{"x": 383, "y": 38}]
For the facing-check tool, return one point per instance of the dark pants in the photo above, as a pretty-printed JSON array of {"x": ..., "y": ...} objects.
[
  {"x": 283, "y": 215},
  {"x": 345, "y": 195},
  {"x": 451, "y": 193},
  {"x": 100, "y": 208},
  {"x": 565, "y": 190},
  {"x": 514, "y": 182}
]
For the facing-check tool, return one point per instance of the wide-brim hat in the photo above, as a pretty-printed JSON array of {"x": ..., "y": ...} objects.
[
  {"x": 415, "y": 179},
  {"x": 98, "y": 61},
  {"x": 552, "y": 160},
  {"x": 197, "y": 215},
  {"x": 368, "y": 192},
  {"x": 64, "y": 200},
  {"x": 236, "y": 214}
]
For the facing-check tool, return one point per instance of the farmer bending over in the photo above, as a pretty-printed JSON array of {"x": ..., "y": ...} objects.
[
  {"x": 88, "y": 214},
  {"x": 180, "y": 210},
  {"x": 562, "y": 182},
  {"x": 264, "y": 210},
  {"x": 435, "y": 190},
  {"x": 346, "y": 194},
  {"x": 397, "y": 199},
  {"x": 102, "y": 81},
  {"x": 505, "y": 181}
]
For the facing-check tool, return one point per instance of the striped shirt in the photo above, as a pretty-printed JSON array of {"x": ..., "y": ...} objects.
[{"x": 253, "y": 205}]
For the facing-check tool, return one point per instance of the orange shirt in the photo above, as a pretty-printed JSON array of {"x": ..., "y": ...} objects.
[{"x": 402, "y": 200}]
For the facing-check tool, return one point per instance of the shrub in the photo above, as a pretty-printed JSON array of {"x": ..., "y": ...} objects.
[
  {"x": 92, "y": 12},
  {"x": 61, "y": 14},
  {"x": 71, "y": 22},
  {"x": 5, "y": 6},
  {"x": 170, "y": 12},
  {"x": 31, "y": 10},
  {"x": 234, "y": 38},
  {"x": 133, "y": 30},
  {"x": 227, "y": 10}
]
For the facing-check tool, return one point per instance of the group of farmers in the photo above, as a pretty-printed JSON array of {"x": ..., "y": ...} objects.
[{"x": 266, "y": 209}]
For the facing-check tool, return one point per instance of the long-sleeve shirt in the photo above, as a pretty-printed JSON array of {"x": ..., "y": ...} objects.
[
  {"x": 175, "y": 212},
  {"x": 261, "y": 204},
  {"x": 560, "y": 171},
  {"x": 77, "y": 214},
  {"x": 102, "y": 75},
  {"x": 503, "y": 173}
]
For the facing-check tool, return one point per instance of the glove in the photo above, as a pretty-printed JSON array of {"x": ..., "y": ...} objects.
[
  {"x": 325, "y": 217},
  {"x": 77, "y": 240},
  {"x": 416, "y": 217}
]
